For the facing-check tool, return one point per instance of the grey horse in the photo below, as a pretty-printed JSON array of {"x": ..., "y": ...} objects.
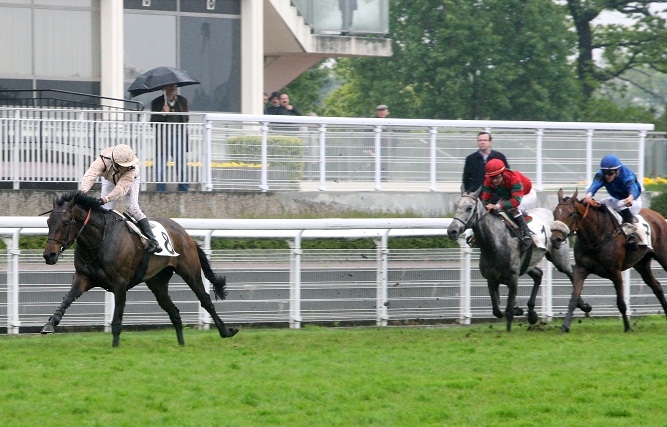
[{"x": 503, "y": 256}]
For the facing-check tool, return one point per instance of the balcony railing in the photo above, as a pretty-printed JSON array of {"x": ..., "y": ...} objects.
[{"x": 347, "y": 17}]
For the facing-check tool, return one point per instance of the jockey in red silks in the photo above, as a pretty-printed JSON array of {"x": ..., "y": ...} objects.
[{"x": 514, "y": 190}]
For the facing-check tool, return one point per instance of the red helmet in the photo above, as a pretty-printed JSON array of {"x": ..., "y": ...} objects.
[{"x": 494, "y": 167}]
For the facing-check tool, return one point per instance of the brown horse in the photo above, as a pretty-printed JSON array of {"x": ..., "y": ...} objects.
[
  {"x": 109, "y": 256},
  {"x": 600, "y": 248}
]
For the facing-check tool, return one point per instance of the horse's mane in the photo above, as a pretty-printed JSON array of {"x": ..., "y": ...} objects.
[{"x": 80, "y": 199}]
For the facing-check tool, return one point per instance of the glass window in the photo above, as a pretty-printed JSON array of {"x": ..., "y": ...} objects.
[
  {"x": 150, "y": 41},
  {"x": 210, "y": 51},
  {"x": 15, "y": 84},
  {"x": 15, "y": 25},
  {"x": 71, "y": 86},
  {"x": 67, "y": 43},
  {"x": 230, "y": 7},
  {"x": 69, "y": 3},
  {"x": 154, "y": 4}
]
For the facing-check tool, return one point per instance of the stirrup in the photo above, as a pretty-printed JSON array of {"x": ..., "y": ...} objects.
[{"x": 153, "y": 247}]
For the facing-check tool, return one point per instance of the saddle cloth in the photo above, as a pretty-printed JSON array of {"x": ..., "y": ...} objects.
[
  {"x": 535, "y": 224},
  {"x": 162, "y": 237},
  {"x": 642, "y": 229}
]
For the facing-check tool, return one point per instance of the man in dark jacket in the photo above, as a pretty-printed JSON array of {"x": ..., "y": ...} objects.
[{"x": 473, "y": 170}]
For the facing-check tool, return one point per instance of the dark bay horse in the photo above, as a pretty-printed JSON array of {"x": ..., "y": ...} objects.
[
  {"x": 599, "y": 248},
  {"x": 502, "y": 259},
  {"x": 109, "y": 256}
]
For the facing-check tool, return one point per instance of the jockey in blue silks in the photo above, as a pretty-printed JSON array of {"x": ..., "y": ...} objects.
[{"x": 623, "y": 188}]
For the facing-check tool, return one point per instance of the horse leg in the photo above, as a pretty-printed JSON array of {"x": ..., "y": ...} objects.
[
  {"x": 120, "y": 297},
  {"x": 644, "y": 268},
  {"x": 536, "y": 274},
  {"x": 159, "y": 285},
  {"x": 578, "y": 276},
  {"x": 617, "y": 280},
  {"x": 560, "y": 258},
  {"x": 79, "y": 286},
  {"x": 495, "y": 299},
  {"x": 204, "y": 298},
  {"x": 511, "y": 299}
]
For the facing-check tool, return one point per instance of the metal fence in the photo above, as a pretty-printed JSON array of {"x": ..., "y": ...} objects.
[
  {"x": 296, "y": 285},
  {"x": 280, "y": 153}
]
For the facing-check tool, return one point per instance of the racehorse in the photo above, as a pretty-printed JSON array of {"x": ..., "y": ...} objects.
[
  {"x": 599, "y": 248},
  {"x": 502, "y": 258},
  {"x": 109, "y": 256}
]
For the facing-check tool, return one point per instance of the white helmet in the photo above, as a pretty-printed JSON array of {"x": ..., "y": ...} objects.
[{"x": 124, "y": 156}]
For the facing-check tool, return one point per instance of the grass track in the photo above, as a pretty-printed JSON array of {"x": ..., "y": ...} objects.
[{"x": 397, "y": 376}]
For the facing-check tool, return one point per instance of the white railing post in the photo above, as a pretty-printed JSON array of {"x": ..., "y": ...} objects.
[
  {"x": 378, "y": 158},
  {"x": 204, "y": 317},
  {"x": 627, "y": 295},
  {"x": 641, "y": 154},
  {"x": 589, "y": 157},
  {"x": 382, "y": 297},
  {"x": 538, "y": 160},
  {"x": 547, "y": 291},
  {"x": 323, "y": 158},
  {"x": 433, "y": 157},
  {"x": 208, "y": 158},
  {"x": 264, "y": 179},
  {"x": 465, "y": 303},
  {"x": 13, "y": 253},
  {"x": 295, "y": 281}
]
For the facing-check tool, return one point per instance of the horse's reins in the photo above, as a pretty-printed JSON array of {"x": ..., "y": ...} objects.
[
  {"x": 603, "y": 238},
  {"x": 473, "y": 218},
  {"x": 66, "y": 245}
]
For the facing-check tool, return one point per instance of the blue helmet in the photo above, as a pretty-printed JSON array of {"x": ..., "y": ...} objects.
[{"x": 610, "y": 162}]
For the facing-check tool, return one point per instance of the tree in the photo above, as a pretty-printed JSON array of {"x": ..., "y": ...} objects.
[
  {"x": 640, "y": 42},
  {"x": 457, "y": 59}
]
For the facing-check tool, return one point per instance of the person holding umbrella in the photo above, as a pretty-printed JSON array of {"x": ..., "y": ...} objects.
[{"x": 171, "y": 139}]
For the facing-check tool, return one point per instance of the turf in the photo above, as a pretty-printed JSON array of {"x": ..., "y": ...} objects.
[{"x": 479, "y": 375}]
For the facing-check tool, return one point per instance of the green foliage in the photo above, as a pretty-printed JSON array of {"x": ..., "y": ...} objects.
[
  {"x": 457, "y": 59},
  {"x": 283, "y": 152},
  {"x": 306, "y": 91},
  {"x": 659, "y": 204},
  {"x": 394, "y": 243},
  {"x": 606, "y": 110}
]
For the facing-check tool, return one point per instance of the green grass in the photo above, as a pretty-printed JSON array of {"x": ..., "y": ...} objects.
[{"x": 396, "y": 376}]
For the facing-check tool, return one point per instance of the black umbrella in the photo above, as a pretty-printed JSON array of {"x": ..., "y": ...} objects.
[{"x": 159, "y": 77}]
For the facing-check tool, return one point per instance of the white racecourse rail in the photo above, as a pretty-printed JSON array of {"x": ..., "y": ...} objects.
[
  {"x": 299, "y": 285},
  {"x": 280, "y": 153}
]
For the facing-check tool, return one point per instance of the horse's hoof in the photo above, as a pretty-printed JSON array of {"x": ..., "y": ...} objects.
[
  {"x": 231, "y": 332},
  {"x": 532, "y": 317},
  {"x": 518, "y": 311},
  {"x": 564, "y": 330},
  {"x": 48, "y": 329},
  {"x": 587, "y": 308}
]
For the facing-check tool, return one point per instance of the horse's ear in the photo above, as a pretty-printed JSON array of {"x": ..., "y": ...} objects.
[
  {"x": 560, "y": 194},
  {"x": 576, "y": 193},
  {"x": 478, "y": 191},
  {"x": 55, "y": 199},
  {"x": 463, "y": 190}
]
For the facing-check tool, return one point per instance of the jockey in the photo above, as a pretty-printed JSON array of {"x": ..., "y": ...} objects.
[
  {"x": 623, "y": 188},
  {"x": 514, "y": 190},
  {"x": 117, "y": 166}
]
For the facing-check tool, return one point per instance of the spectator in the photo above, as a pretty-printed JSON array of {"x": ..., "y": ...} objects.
[
  {"x": 347, "y": 8},
  {"x": 473, "y": 170},
  {"x": 171, "y": 138},
  {"x": 381, "y": 111},
  {"x": 117, "y": 167},
  {"x": 290, "y": 110},
  {"x": 274, "y": 108}
]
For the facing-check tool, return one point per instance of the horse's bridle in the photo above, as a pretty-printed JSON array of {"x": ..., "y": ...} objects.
[
  {"x": 473, "y": 218},
  {"x": 576, "y": 222},
  {"x": 65, "y": 245}
]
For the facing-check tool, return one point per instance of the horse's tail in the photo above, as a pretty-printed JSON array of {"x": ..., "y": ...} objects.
[{"x": 216, "y": 280}]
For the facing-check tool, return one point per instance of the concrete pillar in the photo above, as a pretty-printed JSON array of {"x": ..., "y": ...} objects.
[
  {"x": 252, "y": 56},
  {"x": 111, "y": 40}
]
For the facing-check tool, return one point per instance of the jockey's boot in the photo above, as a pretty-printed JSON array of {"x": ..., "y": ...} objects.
[
  {"x": 520, "y": 220},
  {"x": 153, "y": 245},
  {"x": 628, "y": 218}
]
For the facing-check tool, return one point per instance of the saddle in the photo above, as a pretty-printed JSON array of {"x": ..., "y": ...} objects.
[
  {"x": 158, "y": 230},
  {"x": 509, "y": 222},
  {"x": 641, "y": 229}
]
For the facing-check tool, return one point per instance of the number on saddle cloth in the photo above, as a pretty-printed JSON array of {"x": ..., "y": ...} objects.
[{"x": 159, "y": 231}]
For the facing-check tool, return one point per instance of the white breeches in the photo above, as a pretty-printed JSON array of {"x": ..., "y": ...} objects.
[
  {"x": 131, "y": 198},
  {"x": 618, "y": 205},
  {"x": 528, "y": 201}
]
